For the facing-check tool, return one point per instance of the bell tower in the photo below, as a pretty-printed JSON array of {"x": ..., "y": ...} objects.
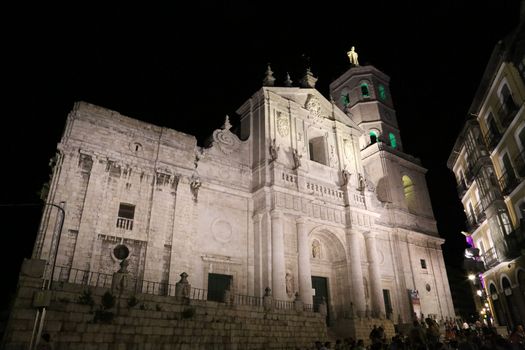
[{"x": 363, "y": 93}]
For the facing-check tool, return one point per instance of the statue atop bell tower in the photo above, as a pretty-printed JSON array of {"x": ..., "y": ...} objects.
[{"x": 352, "y": 56}]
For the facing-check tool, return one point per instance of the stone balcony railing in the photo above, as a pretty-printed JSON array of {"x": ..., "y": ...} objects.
[{"x": 124, "y": 223}]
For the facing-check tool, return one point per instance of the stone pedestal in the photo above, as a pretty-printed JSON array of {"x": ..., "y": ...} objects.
[
  {"x": 268, "y": 300},
  {"x": 298, "y": 304},
  {"x": 120, "y": 282},
  {"x": 183, "y": 288}
]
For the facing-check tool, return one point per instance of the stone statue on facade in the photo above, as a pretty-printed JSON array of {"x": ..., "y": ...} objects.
[
  {"x": 296, "y": 158},
  {"x": 352, "y": 56},
  {"x": 361, "y": 183},
  {"x": 316, "y": 249},
  {"x": 346, "y": 176},
  {"x": 274, "y": 151},
  {"x": 195, "y": 184},
  {"x": 289, "y": 284}
]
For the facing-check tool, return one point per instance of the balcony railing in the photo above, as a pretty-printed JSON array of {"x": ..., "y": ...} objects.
[
  {"x": 508, "y": 182},
  {"x": 490, "y": 257},
  {"x": 97, "y": 279},
  {"x": 462, "y": 189},
  {"x": 515, "y": 242},
  {"x": 492, "y": 138},
  {"x": 519, "y": 163},
  {"x": 124, "y": 223},
  {"x": 480, "y": 213},
  {"x": 476, "y": 218}
]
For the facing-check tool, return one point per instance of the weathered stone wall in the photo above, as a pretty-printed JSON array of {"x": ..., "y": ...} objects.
[{"x": 156, "y": 322}]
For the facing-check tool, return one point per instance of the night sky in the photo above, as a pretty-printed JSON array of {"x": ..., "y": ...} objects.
[{"x": 186, "y": 66}]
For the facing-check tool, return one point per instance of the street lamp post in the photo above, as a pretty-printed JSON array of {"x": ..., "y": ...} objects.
[{"x": 41, "y": 311}]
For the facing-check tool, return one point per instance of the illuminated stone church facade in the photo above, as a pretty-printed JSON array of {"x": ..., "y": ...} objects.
[{"x": 309, "y": 195}]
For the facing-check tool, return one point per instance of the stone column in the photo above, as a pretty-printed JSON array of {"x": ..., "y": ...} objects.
[
  {"x": 305, "y": 272},
  {"x": 278, "y": 261},
  {"x": 376, "y": 290},
  {"x": 356, "y": 274}
]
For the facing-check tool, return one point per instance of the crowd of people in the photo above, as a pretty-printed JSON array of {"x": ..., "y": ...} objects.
[{"x": 429, "y": 335}]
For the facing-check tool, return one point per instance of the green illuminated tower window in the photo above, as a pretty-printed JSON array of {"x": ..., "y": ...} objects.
[
  {"x": 364, "y": 90},
  {"x": 382, "y": 92},
  {"x": 373, "y": 136},
  {"x": 345, "y": 99},
  {"x": 393, "y": 141}
]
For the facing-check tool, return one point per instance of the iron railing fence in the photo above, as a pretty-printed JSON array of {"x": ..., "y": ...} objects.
[{"x": 104, "y": 280}]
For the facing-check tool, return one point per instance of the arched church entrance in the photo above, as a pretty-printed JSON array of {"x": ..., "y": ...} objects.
[{"x": 329, "y": 273}]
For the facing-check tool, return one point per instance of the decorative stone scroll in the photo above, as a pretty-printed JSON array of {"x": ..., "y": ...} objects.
[{"x": 225, "y": 140}]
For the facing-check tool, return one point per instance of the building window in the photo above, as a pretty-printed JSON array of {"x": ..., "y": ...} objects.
[
  {"x": 345, "y": 99},
  {"x": 382, "y": 92},
  {"x": 373, "y": 137},
  {"x": 317, "y": 150},
  {"x": 364, "y": 90},
  {"x": 410, "y": 195},
  {"x": 504, "y": 221},
  {"x": 126, "y": 214},
  {"x": 423, "y": 264},
  {"x": 521, "y": 138},
  {"x": 393, "y": 142},
  {"x": 507, "y": 101},
  {"x": 508, "y": 169}
]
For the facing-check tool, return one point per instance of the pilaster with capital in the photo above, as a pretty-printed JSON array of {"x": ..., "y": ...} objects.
[
  {"x": 278, "y": 260},
  {"x": 183, "y": 230},
  {"x": 356, "y": 273},
  {"x": 305, "y": 271},
  {"x": 376, "y": 291}
]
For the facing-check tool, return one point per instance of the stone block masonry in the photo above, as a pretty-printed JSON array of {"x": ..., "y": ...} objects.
[{"x": 155, "y": 322}]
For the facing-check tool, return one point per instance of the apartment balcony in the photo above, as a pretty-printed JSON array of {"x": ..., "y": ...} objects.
[
  {"x": 471, "y": 223},
  {"x": 124, "y": 223},
  {"x": 492, "y": 193},
  {"x": 462, "y": 189},
  {"x": 519, "y": 164},
  {"x": 475, "y": 219},
  {"x": 469, "y": 175},
  {"x": 507, "y": 111},
  {"x": 480, "y": 213},
  {"x": 492, "y": 138},
  {"x": 515, "y": 241},
  {"x": 508, "y": 182},
  {"x": 491, "y": 258}
]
